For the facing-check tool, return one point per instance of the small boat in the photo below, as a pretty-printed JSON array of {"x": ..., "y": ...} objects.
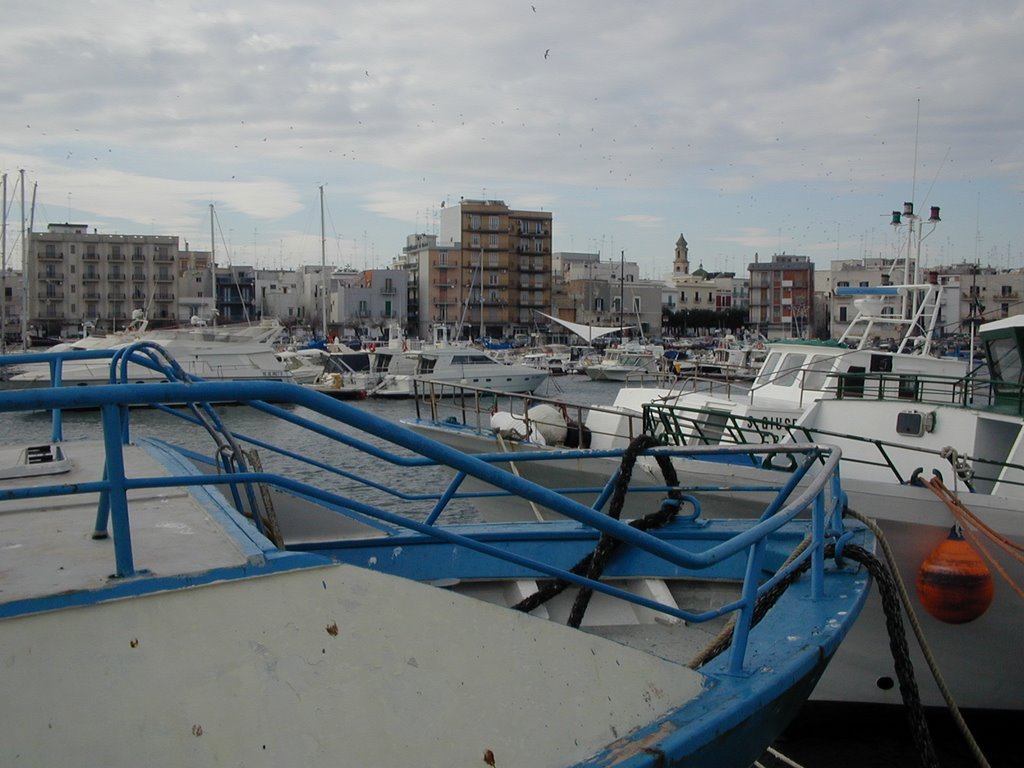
[
  {"x": 627, "y": 362},
  {"x": 444, "y": 365},
  {"x": 340, "y": 380},
  {"x": 160, "y": 601}
]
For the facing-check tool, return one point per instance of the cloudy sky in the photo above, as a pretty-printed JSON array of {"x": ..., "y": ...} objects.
[{"x": 748, "y": 127}]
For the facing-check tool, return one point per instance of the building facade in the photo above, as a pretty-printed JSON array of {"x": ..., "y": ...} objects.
[
  {"x": 78, "y": 279},
  {"x": 782, "y": 295},
  {"x": 503, "y": 270}
]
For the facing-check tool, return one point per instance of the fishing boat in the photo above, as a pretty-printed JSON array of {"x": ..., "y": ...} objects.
[
  {"x": 921, "y": 438},
  {"x": 162, "y": 603}
]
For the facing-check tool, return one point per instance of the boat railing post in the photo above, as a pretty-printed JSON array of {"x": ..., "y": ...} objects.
[
  {"x": 56, "y": 416},
  {"x": 748, "y": 600},
  {"x": 818, "y": 543},
  {"x": 117, "y": 493}
]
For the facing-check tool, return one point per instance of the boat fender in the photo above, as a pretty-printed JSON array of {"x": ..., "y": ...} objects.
[
  {"x": 509, "y": 426},
  {"x": 548, "y": 422},
  {"x": 576, "y": 436},
  {"x": 953, "y": 583}
]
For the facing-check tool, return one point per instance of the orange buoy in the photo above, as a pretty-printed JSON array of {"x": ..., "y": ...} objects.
[{"x": 953, "y": 583}]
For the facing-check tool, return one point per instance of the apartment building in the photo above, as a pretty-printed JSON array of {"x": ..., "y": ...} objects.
[
  {"x": 782, "y": 295},
  {"x": 503, "y": 270},
  {"x": 77, "y": 277}
]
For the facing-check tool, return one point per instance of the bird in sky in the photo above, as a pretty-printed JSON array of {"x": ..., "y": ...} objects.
[{"x": 547, "y": 52}]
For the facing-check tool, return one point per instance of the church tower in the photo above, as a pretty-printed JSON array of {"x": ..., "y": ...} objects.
[{"x": 681, "y": 263}]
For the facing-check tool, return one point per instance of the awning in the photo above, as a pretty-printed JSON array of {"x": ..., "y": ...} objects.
[{"x": 588, "y": 332}]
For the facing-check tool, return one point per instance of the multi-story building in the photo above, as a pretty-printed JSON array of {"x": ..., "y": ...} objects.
[
  {"x": 503, "y": 272},
  {"x": 782, "y": 295},
  {"x": 371, "y": 302},
  {"x": 76, "y": 277},
  {"x": 432, "y": 271}
]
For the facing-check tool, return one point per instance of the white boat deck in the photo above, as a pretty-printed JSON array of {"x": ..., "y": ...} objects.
[{"x": 48, "y": 548}]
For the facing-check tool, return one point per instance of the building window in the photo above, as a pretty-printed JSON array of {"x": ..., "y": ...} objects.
[
  {"x": 493, "y": 222},
  {"x": 474, "y": 221},
  {"x": 843, "y": 284},
  {"x": 492, "y": 241},
  {"x": 842, "y": 314}
]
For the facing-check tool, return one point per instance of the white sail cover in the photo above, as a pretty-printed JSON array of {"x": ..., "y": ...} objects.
[{"x": 588, "y": 332}]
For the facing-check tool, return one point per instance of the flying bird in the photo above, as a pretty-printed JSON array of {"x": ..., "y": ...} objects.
[
  {"x": 547, "y": 52},
  {"x": 533, "y": 8}
]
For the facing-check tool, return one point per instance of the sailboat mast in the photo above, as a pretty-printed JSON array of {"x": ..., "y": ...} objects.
[
  {"x": 3, "y": 274},
  {"x": 323, "y": 262},
  {"x": 622, "y": 291},
  {"x": 24, "y": 267},
  {"x": 213, "y": 270}
]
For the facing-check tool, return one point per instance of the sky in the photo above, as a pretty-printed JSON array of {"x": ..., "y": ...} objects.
[{"x": 749, "y": 128}]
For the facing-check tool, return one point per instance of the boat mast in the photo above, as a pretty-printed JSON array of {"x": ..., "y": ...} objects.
[
  {"x": 323, "y": 263},
  {"x": 24, "y": 264},
  {"x": 622, "y": 291},
  {"x": 213, "y": 271},
  {"x": 3, "y": 273}
]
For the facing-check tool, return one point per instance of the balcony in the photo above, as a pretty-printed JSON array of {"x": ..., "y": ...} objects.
[
  {"x": 90, "y": 256},
  {"x": 115, "y": 257},
  {"x": 164, "y": 279},
  {"x": 55, "y": 296},
  {"x": 138, "y": 257},
  {"x": 88, "y": 277},
  {"x": 51, "y": 275},
  {"x": 116, "y": 277},
  {"x": 90, "y": 295},
  {"x": 138, "y": 278},
  {"x": 164, "y": 297},
  {"x": 163, "y": 258},
  {"x": 50, "y": 256}
]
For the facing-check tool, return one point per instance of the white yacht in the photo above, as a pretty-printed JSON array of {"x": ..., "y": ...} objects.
[{"x": 213, "y": 353}]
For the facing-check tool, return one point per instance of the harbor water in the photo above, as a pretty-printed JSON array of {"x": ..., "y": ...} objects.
[{"x": 824, "y": 734}]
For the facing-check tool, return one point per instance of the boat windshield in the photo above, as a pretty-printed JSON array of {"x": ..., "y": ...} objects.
[
  {"x": 1004, "y": 360},
  {"x": 471, "y": 359},
  {"x": 817, "y": 372},
  {"x": 791, "y": 365}
]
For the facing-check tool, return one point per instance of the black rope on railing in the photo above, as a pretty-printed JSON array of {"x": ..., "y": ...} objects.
[
  {"x": 889, "y": 593},
  {"x": 593, "y": 564}
]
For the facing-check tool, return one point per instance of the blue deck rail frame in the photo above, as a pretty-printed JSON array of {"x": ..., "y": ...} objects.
[{"x": 821, "y": 497}]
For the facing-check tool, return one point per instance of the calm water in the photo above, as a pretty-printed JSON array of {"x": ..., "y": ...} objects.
[{"x": 823, "y": 735}]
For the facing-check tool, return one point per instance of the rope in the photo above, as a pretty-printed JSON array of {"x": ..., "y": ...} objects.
[
  {"x": 764, "y": 602},
  {"x": 593, "y": 564},
  {"x": 915, "y": 625}
]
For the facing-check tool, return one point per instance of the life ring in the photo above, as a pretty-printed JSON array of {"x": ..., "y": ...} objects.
[{"x": 373, "y": 346}]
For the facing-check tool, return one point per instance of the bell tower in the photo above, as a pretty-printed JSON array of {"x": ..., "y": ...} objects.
[{"x": 681, "y": 263}]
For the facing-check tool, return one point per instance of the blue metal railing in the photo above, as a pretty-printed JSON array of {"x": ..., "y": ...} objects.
[{"x": 821, "y": 494}]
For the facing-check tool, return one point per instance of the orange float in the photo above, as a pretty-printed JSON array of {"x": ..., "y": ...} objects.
[{"x": 953, "y": 583}]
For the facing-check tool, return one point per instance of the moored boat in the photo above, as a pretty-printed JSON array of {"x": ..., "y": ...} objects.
[
  {"x": 898, "y": 416},
  {"x": 214, "y": 625}
]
